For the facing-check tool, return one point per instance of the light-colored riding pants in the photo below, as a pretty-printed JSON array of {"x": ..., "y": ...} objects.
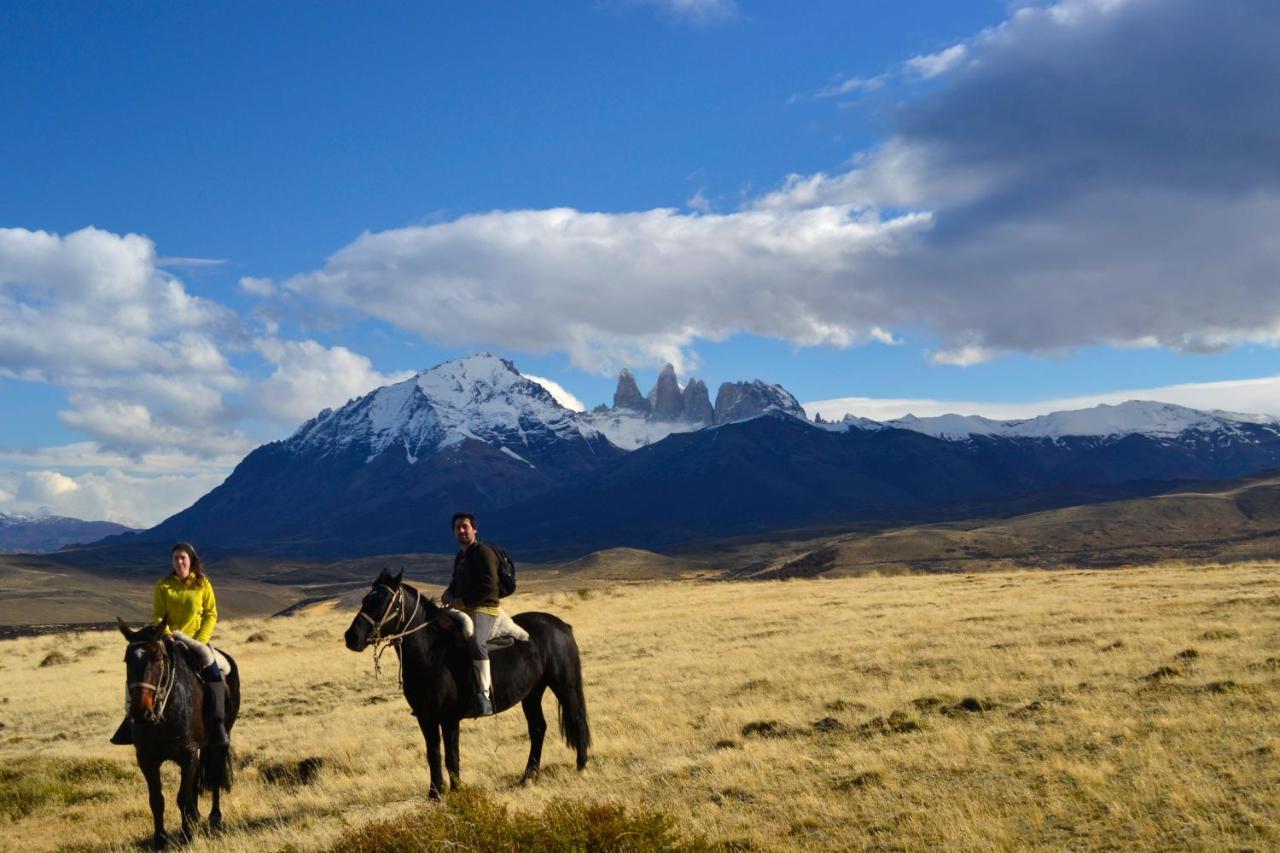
[
  {"x": 483, "y": 624},
  {"x": 205, "y": 653}
]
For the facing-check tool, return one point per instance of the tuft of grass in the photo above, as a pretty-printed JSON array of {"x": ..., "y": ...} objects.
[
  {"x": 1187, "y": 654},
  {"x": 302, "y": 772},
  {"x": 897, "y": 723},
  {"x": 1220, "y": 634},
  {"x": 827, "y": 724},
  {"x": 767, "y": 728},
  {"x": 257, "y": 637},
  {"x": 1164, "y": 673},
  {"x": 970, "y": 705},
  {"x": 468, "y": 820},
  {"x": 32, "y": 783},
  {"x": 55, "y": 658},
  {"x": 865, "y": 779}
]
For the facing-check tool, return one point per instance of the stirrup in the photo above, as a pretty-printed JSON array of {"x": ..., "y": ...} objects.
[
  {"x": 484, "y": 705},
  {"x": 124, "y": 734}
]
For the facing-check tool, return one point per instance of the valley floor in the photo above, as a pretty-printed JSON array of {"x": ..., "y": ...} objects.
[{"x": 1006, "y": 711}]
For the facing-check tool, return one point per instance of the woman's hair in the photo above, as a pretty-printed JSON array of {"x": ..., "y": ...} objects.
[{"x": 197, "y": 570}]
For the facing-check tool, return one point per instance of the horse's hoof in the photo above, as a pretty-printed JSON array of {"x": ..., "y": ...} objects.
[
  {"x": 530, "y": 776},
  {"x": 434, "y": 794},
  {"x": 215, "y": 823},
  {"x": 160, "y": 842}
]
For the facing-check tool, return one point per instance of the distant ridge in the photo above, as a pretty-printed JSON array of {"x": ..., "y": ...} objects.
[{"x": 20, "y": 533}]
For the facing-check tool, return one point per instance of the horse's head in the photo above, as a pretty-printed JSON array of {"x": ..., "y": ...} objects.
[
  {"x": 389, "y": 607},
  {"x": 148, "y": 668},
  {"x": 377, "y": 609}
]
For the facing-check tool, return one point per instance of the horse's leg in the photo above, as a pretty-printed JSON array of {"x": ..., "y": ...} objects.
[
  {"x": 151, "y": 772},
  {"x": 431, "y": 733},
  {"x": 532, "y": 704},
  {"x": 187, "y": 795},
  {"x": 452, "y": 761},
  {"x": 215, "y": 813}
]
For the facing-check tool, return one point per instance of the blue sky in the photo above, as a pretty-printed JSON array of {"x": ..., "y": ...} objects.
[{"x": 979, "y": 206}]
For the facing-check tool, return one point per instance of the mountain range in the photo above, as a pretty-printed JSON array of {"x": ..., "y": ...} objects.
[
  {"x": 44, "y": 531},
  {"x": 383, "y": 473}
]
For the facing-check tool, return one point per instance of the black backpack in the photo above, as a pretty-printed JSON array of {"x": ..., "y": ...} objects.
[{"x": 506, "y": 571}]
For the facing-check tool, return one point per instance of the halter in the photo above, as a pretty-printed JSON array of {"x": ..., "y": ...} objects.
[
  {"x": 163, "y": 690},
  {"x": 380, "y": 643}
]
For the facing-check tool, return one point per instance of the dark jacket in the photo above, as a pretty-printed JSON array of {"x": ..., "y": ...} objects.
[{"x": 475, "y": 577}]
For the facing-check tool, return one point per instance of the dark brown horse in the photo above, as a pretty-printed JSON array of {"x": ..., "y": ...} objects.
[
  {"x": 166, "y": 705},
  {"x": 438, "y": 674}
]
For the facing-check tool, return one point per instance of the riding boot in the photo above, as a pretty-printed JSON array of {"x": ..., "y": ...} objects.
[
  {"x": 484, "y": 688},
  {"x": 216, "y": 692},
  {"x": 124, "y": 734}
]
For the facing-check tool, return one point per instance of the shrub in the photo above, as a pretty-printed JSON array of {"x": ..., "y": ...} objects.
[{"x": 55, "y": 658}]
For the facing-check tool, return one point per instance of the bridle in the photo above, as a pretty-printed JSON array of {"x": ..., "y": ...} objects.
[
  {"x": 164, "y": 688},
  {"x": 393, "y": 611}
]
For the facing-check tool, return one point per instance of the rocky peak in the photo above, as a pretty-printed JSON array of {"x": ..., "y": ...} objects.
[
  {"x": 628, "y": 395},
  {"x": 668, "y": 401},
  {"x": 697, "y": 403},
  {"x": 739, "y": 401}
]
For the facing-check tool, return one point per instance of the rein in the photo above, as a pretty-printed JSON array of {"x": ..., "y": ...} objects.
[
  {"x": 163, "y": 690},
  {"x": 381, "y": 643}
]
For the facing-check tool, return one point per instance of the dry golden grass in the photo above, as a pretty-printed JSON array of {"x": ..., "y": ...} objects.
[{"x": 992, "y": 711}]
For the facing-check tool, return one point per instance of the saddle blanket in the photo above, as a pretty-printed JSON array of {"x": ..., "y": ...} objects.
[{"x": 505, "y": 631}]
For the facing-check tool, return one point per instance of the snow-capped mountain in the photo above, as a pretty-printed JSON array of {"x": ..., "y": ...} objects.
[
  {"x": 1135, "y": 417},
  {"x": 383, "y": 473},
  {"x": 44, "y": 531},
  {"x": 480, "y": 398}
]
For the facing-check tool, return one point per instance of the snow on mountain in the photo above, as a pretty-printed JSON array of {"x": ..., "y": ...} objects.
[
  {"x": 480, "y": 397},
  {"x": 1141, "y": 417},
  {"x": 630, "y": 429}
]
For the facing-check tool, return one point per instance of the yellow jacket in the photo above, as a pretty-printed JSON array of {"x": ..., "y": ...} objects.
[{"x": 187, "y": 606}]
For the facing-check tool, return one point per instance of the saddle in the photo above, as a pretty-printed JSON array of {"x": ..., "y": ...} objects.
[{"x": 506, "y": 632}]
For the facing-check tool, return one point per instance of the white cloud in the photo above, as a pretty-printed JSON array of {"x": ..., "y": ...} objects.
[
  {"x": 697, "y": 12},
  {"x": 110, "y": 495},
  {"x": 1251, "y": 396},
  {"x": 849, "y": 86},
  {"x": 936, "y": 64},
  {"x": 92, "y": 312},
  {"x": 963, "y": 356},
  {"x": 309, "y": 377},
  {"x": 46, "y": 487},
  {"x": 255, "y": 286},
  {"x": 618, "y": 289},
  {"x": 145, "y": 367},
  {"x": 562, "y": 396}
]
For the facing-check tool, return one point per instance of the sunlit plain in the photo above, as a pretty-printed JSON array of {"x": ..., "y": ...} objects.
[{"x": 1081, "y": 709}]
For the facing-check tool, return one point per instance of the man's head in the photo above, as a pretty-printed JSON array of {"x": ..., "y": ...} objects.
[{"x": 464, "y": 528}]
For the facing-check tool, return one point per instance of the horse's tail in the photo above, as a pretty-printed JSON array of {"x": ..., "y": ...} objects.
[
  {"x": 217, "y": 768},
  {"x": 567, "y": 686}
]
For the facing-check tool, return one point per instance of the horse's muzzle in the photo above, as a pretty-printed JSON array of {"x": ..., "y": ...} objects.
[{"x": 357, "y": 638}]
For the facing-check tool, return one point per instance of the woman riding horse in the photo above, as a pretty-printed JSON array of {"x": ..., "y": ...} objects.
[{"x": 183, "y": 602}]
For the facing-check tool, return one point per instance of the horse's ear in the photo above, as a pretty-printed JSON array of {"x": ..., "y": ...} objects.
[
  {"x": 384, "y": 576},
  {"x": 124, "y": 629},
  {"x": 399, "y": 576}
]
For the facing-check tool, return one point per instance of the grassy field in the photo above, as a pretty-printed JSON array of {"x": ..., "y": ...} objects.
[{"x": 1082, "y": 710}]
